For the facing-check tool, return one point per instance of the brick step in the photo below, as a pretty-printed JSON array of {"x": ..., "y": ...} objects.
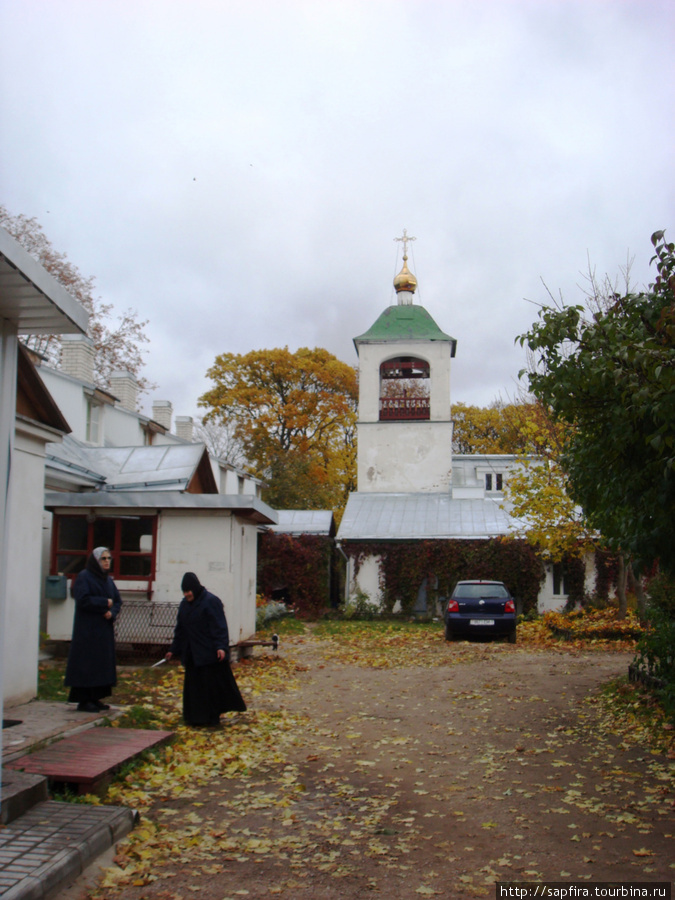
[{"x": 86, "y": 762}]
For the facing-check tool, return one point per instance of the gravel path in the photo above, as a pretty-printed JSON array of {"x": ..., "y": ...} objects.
[{"x": 486, "y": 763}]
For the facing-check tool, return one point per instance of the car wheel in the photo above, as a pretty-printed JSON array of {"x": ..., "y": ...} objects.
[{"x": 512, "y": 637}]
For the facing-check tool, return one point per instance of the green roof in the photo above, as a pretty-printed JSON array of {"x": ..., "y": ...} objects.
[{"x": 404, "y": 323}]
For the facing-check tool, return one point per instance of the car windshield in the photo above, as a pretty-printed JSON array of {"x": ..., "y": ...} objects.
[{"x": 481, "y": 591}]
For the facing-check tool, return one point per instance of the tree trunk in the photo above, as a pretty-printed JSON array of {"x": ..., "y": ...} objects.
[
  {"x": 636, "y": 583},
  {"x": 621, "y": 587}
]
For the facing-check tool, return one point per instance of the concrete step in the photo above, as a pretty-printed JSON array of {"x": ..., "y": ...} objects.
[
  {"x": 20, "y": 792},
  {"x": 48, "y": 847}
]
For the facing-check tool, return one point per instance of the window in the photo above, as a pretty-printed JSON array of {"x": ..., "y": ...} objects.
[
  {"x": 93, "y": 422},
  {"x": 498, "y": 481},
  {"x": 559, "y": 586},
  {"x": 404, "y": 389},
  {"x": 131, "y": 539}
]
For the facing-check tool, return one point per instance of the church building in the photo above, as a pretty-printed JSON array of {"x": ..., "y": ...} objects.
[{"x": 411, "y": 488}]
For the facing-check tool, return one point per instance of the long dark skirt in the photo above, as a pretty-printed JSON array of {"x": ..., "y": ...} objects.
[
  {"x": 89, "y": 694},
  {"x": 209, "y": 691}
]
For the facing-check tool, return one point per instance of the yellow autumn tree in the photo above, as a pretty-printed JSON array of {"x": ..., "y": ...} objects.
[
  {"x": 295, "y": 416},
  {"x": 498, "y": 428},
  {"x": 536, "y": 491}
]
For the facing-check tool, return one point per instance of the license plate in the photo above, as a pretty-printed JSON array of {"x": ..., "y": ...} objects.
[{"x": 481, "y": 621}]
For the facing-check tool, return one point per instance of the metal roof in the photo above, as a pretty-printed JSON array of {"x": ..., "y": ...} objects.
[
  {"x": 162, "y": 467},
  {"x": 31, "y": 298},
  {"x": 242, "y": 505},
  {"x": 304, "y": 521},
  {"x": 404, "y": 323},
  {"x": 397, "y": 517}
]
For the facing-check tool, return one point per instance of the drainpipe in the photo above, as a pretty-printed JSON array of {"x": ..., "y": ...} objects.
[
  {"x": 346, "y": 559},
  {"x": 8, "y": 367}
]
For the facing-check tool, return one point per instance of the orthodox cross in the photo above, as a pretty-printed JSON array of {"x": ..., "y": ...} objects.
[{"x": 405, "y": 240}]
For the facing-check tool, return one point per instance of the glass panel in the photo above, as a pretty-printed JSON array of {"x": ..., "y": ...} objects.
[
  {"x": 488, "y": 482},
  {"x": 70, "y": 565},
  {"x": 104, "y": 533},
  {"x": 135, "y": 566},
  {"x": 93, "y": 415},
  {"x": 133, "y": 530},
  {"x": 73, "y": 533}
]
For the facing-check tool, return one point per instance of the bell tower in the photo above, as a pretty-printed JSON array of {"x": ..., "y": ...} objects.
[{"x": 404, "y": 427}]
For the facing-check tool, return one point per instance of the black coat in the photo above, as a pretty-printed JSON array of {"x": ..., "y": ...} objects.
[
  {"x": 201, "y": 630},
  {"x": 91, "y": 660}
]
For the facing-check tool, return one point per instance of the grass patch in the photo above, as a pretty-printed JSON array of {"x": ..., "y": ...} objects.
[
  {"x": 287, "y": 625},
  {"x": 50, "y": 681},
  {"x": 149, "y": 718}
]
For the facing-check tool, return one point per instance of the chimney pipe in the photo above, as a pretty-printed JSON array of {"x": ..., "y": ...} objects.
[
  {"x": 184, "y": 427},
  {"x": 77, "y": 357},
  {"x": 125, "y": 387},
  {"x": 162, "y": 411}
]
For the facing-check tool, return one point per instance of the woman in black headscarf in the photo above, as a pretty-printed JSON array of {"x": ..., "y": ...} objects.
[
  {"x": 202, "y": 642},
  {"x": 91, "y": 673}
]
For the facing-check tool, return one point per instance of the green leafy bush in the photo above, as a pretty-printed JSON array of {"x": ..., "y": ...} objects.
[
  {"x": 361, "y": 608},
  {"x": 654, "y": 662}
]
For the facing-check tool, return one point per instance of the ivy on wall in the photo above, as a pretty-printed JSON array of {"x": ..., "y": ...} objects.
[
  {"x": 575, "y": 580},
  {"x": 297, "y": 569},
  {"x": 405, "y": 565},
  {"x": 605, "y": 573}
]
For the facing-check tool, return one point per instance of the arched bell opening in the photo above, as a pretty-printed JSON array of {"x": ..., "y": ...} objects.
[{"x": 404, "y": 389}]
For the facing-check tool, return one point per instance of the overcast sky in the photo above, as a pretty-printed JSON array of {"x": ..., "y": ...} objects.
[{"x": 237, "y": 171}]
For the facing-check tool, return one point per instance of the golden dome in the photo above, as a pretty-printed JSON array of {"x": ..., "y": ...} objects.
[{"x": 405, "y": 280}]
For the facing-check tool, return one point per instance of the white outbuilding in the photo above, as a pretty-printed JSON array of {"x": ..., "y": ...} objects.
[{"x": 31, "y": 302}]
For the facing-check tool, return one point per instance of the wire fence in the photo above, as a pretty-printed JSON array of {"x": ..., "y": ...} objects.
[{"x": 144, "y": 628}]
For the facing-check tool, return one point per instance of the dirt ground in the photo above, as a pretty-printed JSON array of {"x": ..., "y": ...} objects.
[{"x": 488, "y": 762}]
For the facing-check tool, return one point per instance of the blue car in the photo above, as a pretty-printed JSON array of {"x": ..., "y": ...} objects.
[{"x": 480, "y": 609}]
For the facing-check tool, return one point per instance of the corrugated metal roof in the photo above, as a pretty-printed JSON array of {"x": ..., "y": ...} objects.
[
  {"x": 380, "y": 517},
  {"x": 243, "y": 505},
  {"x": 304, "y": 521},
  {"x": 164, "y": 467}
]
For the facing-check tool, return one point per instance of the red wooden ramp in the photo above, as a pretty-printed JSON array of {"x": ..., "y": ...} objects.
[{"x": 89, "y": 759}]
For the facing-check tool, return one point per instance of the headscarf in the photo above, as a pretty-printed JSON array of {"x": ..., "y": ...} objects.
[
  {"x": 93, "y": 564},
  {"x": 190, "y": 582}
]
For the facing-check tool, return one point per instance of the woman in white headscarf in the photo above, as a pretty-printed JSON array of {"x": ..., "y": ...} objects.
[{"x": 91, "y": 672}]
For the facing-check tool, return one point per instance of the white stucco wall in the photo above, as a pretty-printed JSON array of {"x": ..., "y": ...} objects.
[
  {"x": 213, "y": 547},
  {"x": 404, "y": 457},
  {"x": 367, "y": 580},
  {"x": 24, "y": 576},
  {"x": 70, "y": 398}
]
